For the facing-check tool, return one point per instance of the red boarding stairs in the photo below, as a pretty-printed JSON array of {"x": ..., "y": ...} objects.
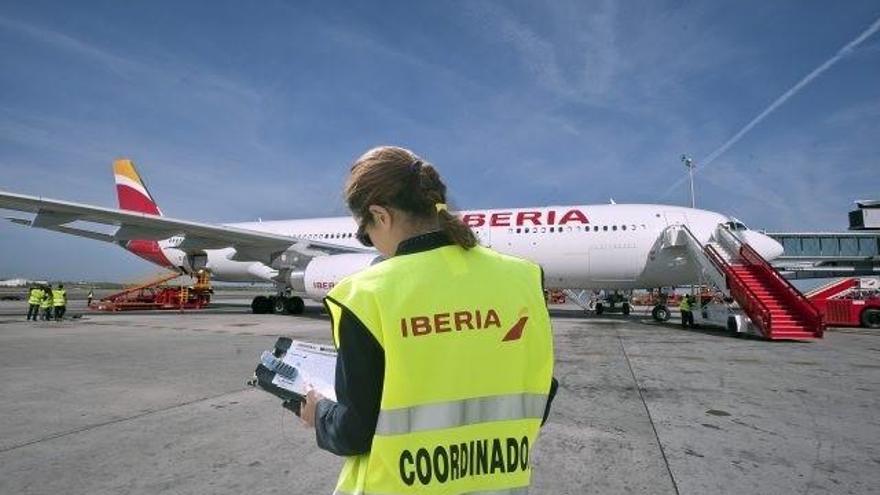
[{"x": 772, "y": 303}]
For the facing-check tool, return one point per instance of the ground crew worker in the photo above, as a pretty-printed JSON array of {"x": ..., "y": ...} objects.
[
  {"x": 46, "y": 303},
  {"x": 687, "y": 319},
  {"x": 89, "y": 298},
  {"x": 59, "y": 300},
  {"x": 35, "y": 297},
  {"x": 445, "y": 352}
]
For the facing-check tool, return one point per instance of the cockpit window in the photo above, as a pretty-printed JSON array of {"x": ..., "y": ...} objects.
[{"x": 736, "y": 225}]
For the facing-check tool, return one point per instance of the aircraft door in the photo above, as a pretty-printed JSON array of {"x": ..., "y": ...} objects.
[{"x": 675, "y": 217}]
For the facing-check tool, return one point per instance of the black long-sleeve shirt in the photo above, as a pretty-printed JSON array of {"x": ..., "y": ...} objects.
[{"x": 346, "y": 427}]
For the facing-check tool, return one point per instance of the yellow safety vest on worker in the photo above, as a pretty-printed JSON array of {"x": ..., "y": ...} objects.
[
  {"x": 468, "y": 367},
  {"x": 36, "y": 296},
  {"x": 46, "y": 302},
  {"x": 684, "y": 305},
  {"x": 59, "y": 297}
]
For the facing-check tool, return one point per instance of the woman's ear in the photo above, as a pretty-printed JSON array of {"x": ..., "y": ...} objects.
[{"x": 381, "y": 216}]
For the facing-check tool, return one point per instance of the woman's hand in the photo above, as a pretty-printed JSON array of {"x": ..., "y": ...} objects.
[{"x": 307, "y": 411}]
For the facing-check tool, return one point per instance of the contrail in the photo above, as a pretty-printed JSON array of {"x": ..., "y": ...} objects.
[{"x": 849, "y": 47}]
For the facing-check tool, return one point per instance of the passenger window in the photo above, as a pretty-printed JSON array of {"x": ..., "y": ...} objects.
[
  {"x": 519, "y": 231},
  {"x": 623, "y": 227},
  {"x": 526, "y": 230},
  {"x": 596, "y": 228},
  {"x": 605, "y": 228},
  {"x": 614, "y": 227}
]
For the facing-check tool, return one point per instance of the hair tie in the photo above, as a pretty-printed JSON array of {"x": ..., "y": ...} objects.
[{"x": 440, "y": 207}]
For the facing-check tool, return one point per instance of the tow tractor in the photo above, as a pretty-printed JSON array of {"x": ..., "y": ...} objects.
[
  {"x": 613, "y": 302},
  {"x": 849, "y": 302}
]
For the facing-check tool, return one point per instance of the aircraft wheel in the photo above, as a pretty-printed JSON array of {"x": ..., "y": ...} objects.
[
  {"x": 625, "y": 309},
  {"x": 279, "y": 304},
  {"x": 732, "y": 326},
  {"x": 600, "y": 308},
  {"x": 660, "y": 313},
  {"x": 871, "y": 318},
  {"x": 294, "y": 305},
  {"x": 261, "y": 305}
]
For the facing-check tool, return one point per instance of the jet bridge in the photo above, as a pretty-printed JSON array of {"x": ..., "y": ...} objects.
[{"x": 828, "y": 254}]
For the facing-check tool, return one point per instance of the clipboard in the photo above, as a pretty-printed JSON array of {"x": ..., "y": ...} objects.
[{"x": 292, "y": 368}]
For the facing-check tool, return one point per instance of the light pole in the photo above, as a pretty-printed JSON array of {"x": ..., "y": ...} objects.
[{"x": 689, "y": 163}]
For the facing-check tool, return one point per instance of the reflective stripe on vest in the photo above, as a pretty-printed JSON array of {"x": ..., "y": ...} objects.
[{"x": 461, "y": 413}]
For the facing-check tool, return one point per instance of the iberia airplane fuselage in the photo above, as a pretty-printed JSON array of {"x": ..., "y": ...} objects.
[
  {"x": 587, "y": 246},
  {"x": 616, "y": 246}
]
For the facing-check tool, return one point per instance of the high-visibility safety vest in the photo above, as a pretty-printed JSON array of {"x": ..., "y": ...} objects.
[
  {"x": 36, "y": 296},
  {"x": 46, "y": 302},
  {"x": 684, "y": 305},
  {"x": 59, "y": 297},
  {"x": 468, "y": 363}
]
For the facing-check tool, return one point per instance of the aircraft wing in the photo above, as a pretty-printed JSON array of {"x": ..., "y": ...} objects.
[{"x": 250, "y": 245}]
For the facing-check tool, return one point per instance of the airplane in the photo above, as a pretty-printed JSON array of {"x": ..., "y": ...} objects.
[{"x": 614, "y": 246}]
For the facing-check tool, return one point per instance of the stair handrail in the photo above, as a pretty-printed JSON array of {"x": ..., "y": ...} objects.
[
  {"x": 799, "y": 298},
  {"x": 699, "y": 246},
  {"x": 749, "y": 254},
  {"x": 752, "y": 305}
]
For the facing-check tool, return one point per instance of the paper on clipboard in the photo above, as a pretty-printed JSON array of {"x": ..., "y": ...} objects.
[{"x": 302, "y": 367}]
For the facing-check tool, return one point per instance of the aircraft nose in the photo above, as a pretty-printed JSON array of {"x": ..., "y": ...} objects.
[{"x": 765, "y": 245}]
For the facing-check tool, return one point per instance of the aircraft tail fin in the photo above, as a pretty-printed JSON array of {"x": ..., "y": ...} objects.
[{"x": 131, "y": 190}]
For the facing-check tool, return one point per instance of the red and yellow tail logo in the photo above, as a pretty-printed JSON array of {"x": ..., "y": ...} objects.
[
  {"x": 131, "y": 190},
  {"x": 516, "y": 330},
  {"x": 134, "y": 196}
]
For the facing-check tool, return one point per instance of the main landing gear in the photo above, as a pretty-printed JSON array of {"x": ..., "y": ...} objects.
[
  {"x": 292, "y": 305},
  {"x": 660, "y": 313}
]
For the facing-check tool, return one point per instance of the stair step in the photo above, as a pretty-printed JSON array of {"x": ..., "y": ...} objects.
[
  {"x": 786, "y": 324},
  {"x": 792, "y": 335},
  {"x": 788, "y": 328}
]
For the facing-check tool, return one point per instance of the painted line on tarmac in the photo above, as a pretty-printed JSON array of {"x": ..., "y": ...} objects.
[
  {"x": 119, "y": 420},
  {"x": 648, "y": 412}
]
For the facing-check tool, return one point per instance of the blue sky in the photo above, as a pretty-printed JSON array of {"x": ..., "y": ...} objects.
[{"x": 235, "y": 111}]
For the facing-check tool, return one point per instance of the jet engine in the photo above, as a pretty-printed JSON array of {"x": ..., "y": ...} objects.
[{"x": 324, "y": 272}]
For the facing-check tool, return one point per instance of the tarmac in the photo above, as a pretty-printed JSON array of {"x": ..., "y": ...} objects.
[{"x": 157, "y": 403}]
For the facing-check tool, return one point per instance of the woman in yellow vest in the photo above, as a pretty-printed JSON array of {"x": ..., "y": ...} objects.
[{"x": 445, "y": 351}]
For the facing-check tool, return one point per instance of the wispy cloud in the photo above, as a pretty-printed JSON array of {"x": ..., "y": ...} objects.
[
  {"x": 591, "y": 48},
  {"x": 818, "y": 71}
]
